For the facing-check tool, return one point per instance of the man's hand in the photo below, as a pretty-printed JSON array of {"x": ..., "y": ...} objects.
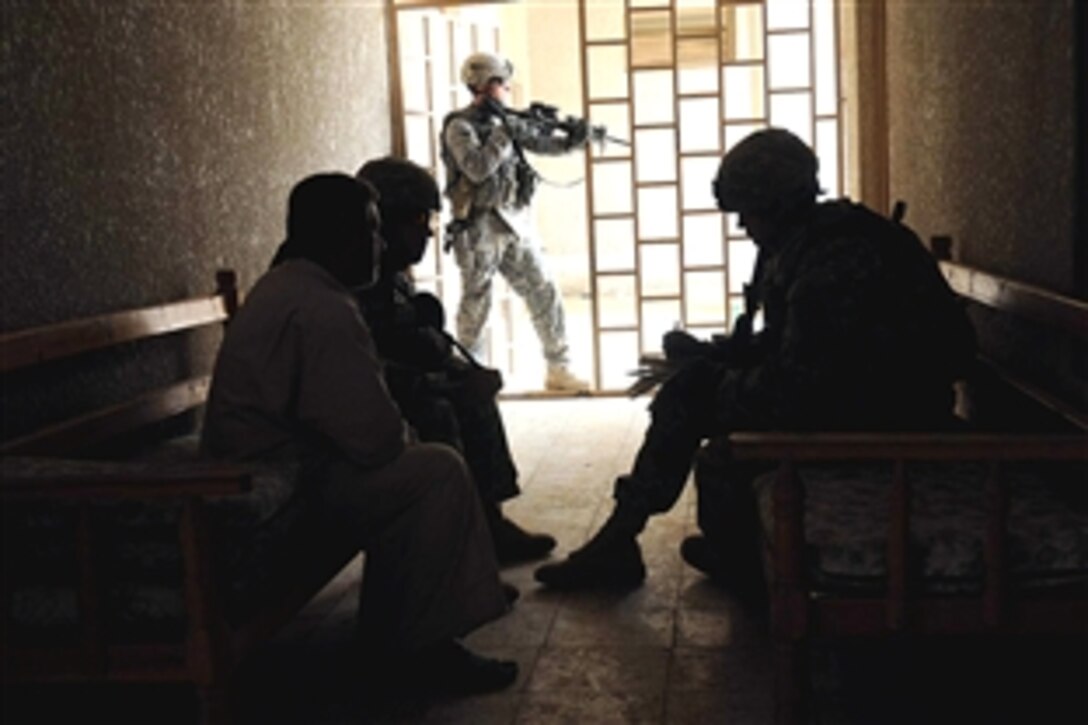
[
  {"x": 577, "y": 133},
  {"x": 493, "y": 107},
  {"x": 680, "y": 345}
]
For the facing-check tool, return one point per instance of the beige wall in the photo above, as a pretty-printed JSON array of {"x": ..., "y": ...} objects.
[
  {"x": 981, "y": 117},
  {"x": 982, "y": 128},
  {"x": 145, "y": 144}
]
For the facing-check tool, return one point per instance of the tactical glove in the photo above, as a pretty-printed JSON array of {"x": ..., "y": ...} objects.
[
  {"x": 577, "y": 133},
  {"x": 680, "y": 345}
]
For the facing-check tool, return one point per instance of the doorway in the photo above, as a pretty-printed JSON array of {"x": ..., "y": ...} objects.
[{"x": 638, "y": 247}]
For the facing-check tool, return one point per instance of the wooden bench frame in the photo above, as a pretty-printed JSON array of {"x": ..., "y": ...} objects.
[
  {"x": 798, "y": 614},
  {"x": 213, "y": 647}
]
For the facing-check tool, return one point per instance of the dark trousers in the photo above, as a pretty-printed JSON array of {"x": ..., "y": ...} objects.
[
  {"x": 474, "y": 428},
  {"x": 682, "y": 417}
]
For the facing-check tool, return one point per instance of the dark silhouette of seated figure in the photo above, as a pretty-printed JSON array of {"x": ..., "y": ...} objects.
[
  {"x": 444, "y": 393},
  {"x": 297, "y": 384},
  {"x": 859, "y": 332}
]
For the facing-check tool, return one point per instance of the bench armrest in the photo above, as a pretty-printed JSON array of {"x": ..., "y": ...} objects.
[
  {"x": 35, "y": 478},
  {"x": 906, "y": 446}
]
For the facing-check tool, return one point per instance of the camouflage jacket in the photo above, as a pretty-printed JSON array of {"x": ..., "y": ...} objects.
[
  {"x": 482, "y": 162},
  {"x": 861, "y": 331}
]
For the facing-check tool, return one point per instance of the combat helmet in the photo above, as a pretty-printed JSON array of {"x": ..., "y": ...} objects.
[
  {"x": 405, "y": 188},
  {"x": 769, "y": 172},
  {"x": 479, "y": 68}
]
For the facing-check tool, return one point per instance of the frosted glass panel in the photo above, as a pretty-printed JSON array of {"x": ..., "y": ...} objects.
[
  {"x": 827, "y": 149},
  {"x": 660, "y": 269},
  {"x": 695, "y": 17},
  {"x": 607, "y": 71},
  {"x": 616, "y": 300},
  {"x": 651, "y": 39},
  {"x": 742, "y": 33},
  {"x": 616, "y": 117},
  {"x": 704, "y": 297},
  {"x": 619, "y": 356},
  {"x": 657, "y": 217},
  {"x": 605, "y": 20},
  {"x": 697, "y": 61},
  {"x": 612, "y": 187},
  {"x": 653, "y": 96},
  {"x": 615, "y": 242},
  {"x": 698, "y": 176},
  {"x": 702, "y": 239},
  {"x": 414, "y": 84},
  {"x": 826, "y": 61},
  {"x": 793, "y": 111},
  {"x": 743, "y": 92},
  {"x": 782, "y": 14},
  {"x": 462, "y": 48},
  {"x": 742, "y": 260},
  {"x": 699, "y": 130},
  {"x": 655, "y": 155},
  {"x": 417, "y": 137},
  {"x": 789, "y": 61},
  {"x": 736, "y": 309},
  {"x": 739, "y": 131},
  {"x": 658, "y": 317},
  {"x": 411, "y": 35}
]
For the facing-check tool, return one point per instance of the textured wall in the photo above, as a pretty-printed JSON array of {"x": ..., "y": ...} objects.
[
  {"x": 982, "y": 146},
  {"x": 981, "y": 119},
  {"x": 146, "y": 143}
]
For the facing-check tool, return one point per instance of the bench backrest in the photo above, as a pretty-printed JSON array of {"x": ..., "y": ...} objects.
[
  {"x": 1053, "y": 311},
  {"x": 35, "y": 346}
]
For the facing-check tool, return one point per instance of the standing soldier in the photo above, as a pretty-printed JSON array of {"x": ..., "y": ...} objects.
[{"x": 490, "y": 186}]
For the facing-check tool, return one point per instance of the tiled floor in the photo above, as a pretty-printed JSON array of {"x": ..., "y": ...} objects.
[{"x": 676, "y": 650}]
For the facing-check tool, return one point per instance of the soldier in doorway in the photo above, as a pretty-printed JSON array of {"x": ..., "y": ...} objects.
[{"x": 490, "y": 187}]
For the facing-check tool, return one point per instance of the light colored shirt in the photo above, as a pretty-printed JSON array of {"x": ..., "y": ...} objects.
[{"x": 297, "y": 372}]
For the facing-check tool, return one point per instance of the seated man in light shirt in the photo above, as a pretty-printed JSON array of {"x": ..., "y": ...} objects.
[{"x": 297, "y": 380}]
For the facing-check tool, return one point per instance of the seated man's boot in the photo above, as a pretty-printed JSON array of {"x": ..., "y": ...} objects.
[
  {"x": 514, "y": 544},
  {"x": 455, "y": 671},
  {"x": 401, "y": 687},
  {"x": 561, "y": 380},
  {"x": 611, "y": 559},
  {"x": 737, "y": 571}
]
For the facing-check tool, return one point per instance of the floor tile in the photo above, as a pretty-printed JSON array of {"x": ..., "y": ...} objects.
[
  {"x": 579, "y": 708},
  {"x": 614, "y": 669}
]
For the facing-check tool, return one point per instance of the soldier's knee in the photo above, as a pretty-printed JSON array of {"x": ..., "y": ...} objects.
[{"x": 445, "y": 465}]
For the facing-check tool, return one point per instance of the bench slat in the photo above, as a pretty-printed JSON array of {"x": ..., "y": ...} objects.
[
  {"x": 52, "y": 342},
  {"x": 87, "y": 431},
  {"x": 907, "y": 446},
  {"x": 1018, "y": 298}
]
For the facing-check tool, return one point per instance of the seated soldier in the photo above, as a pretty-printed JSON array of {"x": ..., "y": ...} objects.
[
  {"x": 297, "y": 382},
  {"x": 860, "y": 332},
  {"x": 442, "y": 391}
]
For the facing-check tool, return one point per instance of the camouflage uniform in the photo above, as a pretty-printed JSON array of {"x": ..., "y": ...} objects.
[
  {"x": 484, "y": 171},
  {"x": 861, "y": 333},
  {"x": 422, "y": 372}
]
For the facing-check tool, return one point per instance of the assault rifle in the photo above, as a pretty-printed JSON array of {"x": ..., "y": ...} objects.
[{"x": 545, "y": 120}]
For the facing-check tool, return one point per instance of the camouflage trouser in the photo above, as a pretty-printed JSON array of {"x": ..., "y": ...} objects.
[
  {"x": 489, "y": 246},
  {"x": 474, "y": 428},
  {"x": 682, "y": 418}
]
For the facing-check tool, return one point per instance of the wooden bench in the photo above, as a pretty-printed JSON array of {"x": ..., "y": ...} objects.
[
  {"x": 54, "y": 469},
  {"x": 901, "y": 601}
]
